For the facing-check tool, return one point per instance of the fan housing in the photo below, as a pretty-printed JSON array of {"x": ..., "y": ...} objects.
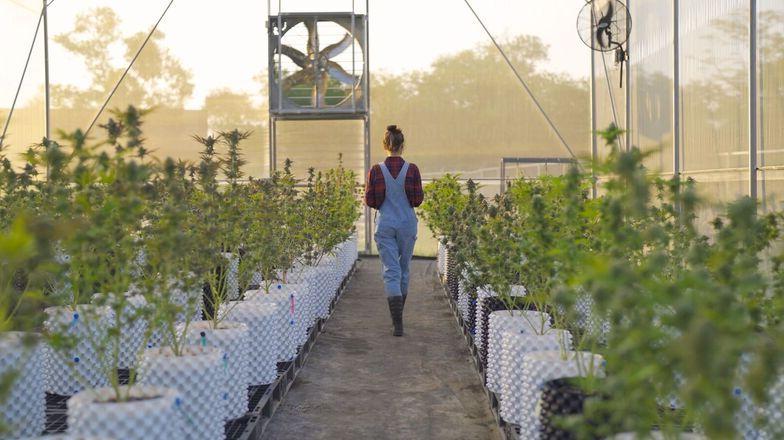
[{"x": 317, "y": 64}]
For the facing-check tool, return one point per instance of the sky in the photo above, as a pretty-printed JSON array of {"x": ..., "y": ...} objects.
[{"x": 224, "y": 44}]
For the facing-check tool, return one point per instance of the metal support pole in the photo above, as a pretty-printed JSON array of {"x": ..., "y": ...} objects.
[
  {"x": 753, "y": 99},
  {"x": 368, "y": 211},
  {"x": 502, "y": 190},
  {"x": 594, "y": 147},
  {"x": 676, "y": 91},
  {"x": 273, "y": 145},
  {"x": 47, "y": 106},
  {"x": 628, "y": 91},
  {"x": 366, "y": 97}
]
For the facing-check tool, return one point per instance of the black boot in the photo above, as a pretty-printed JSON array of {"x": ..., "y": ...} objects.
[
  {"x": 396, "y": 311},
  {"x": 404, "y": 300}
]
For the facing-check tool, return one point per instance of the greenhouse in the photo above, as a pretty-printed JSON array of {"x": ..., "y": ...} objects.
[{"x": 212, "y": 215}]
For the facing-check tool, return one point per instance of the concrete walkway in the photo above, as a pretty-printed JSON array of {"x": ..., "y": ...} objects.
[{"x": 360, "y": 382}]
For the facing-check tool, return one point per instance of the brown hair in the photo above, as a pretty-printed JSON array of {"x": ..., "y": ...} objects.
[{"x": 393, "y": 139}]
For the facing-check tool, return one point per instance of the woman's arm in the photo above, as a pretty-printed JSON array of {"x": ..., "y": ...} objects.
[
  {"x": 375, "y": 190},
  {"x": 414, "y": 190}
]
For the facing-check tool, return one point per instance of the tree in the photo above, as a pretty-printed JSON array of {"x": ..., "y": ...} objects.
[{"x": 156, "y": 79}]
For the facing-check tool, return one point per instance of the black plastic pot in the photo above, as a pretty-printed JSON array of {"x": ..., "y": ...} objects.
[
  {"x": 494, "y": 304},
  {"x": 561, "y": 398},
  {"x": 452, "y": 275},
  {"x": 472, "y": 312}
]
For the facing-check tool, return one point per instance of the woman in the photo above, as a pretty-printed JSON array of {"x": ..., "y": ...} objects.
[{"x": 394, "y": 188}]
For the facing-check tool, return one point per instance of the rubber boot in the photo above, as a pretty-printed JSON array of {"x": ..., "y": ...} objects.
[{"x": 396, "y": 311}]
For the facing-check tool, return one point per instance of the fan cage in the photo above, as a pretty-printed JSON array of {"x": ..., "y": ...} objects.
[{"x": 353, "y": 100}]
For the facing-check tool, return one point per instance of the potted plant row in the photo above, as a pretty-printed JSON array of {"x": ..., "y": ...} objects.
[
  {"x": 126, "y": 272},
  {"x": 652, "y": 323}
]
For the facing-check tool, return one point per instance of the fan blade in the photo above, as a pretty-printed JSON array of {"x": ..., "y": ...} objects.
[
  {"x": 323, "y": 83},
  {"x": 313, "y": 40},
  {"x": 603, "y": 27},
  {"x": 298, "y": 57},
  {"x": 336, "y": 49},
  {"x": 303, "y": 76},
  {"x": 340, "y": 74}
]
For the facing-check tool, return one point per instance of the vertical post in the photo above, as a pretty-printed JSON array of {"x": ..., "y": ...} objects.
[
  {"x": 628, "y": 92},
  {"x": 47, "y": 106},
  {"x": 273, "y": 141},
  {"x": 366, "y": 97},
  {"x": 676, "y": 90},
  {"x": 353, "y": 57},
  {"x": 503, "y": 176},
  {"x": 368, "y": 212},
  {"x": 753, "y": 99},
  {"x": 594, "y": 150}
]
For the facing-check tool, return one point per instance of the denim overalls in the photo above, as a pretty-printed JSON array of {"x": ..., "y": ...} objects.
[{"x": 396, "y": 229}]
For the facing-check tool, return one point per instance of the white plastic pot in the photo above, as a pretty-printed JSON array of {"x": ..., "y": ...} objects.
[
  {"x": 23, "y": 410},
  {"x": 151, "y": 412},
  {"x": 332, "y": 283},
  {"x": 542, "y": 366},
  {"x": 318, "y": 281},
  {"x": 654, "y": 435},
  {"x": 232, "y": 275},
  {"x": 771, "y": 415},
  {"x": 66, "y": 372},
  {"x": 482, "y": 294},
  {"x": 441, "y": 258},
  {"x": 199, "y": 376},
  {"x": 518, "y": 321},
  {"x": 514, "y": 346},
  {"x": 463, "y": 298},
  {"x": 233, "y": 339},
  {"x": 132, "y": 338},
  {"x": 263, "y": 322},
  {"x": 288, "y": 300},
  {"x": 192, "y": 302}
]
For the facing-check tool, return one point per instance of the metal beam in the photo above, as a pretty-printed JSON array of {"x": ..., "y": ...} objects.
[{"x": 531, "y": 160}]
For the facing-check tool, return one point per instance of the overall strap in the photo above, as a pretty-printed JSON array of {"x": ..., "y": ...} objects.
[{"x": 401, "y": 178}]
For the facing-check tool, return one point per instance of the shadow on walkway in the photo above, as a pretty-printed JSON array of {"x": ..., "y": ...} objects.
[{"x": 360, "y": 382}]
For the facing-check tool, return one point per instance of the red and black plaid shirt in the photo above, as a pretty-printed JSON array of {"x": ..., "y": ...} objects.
[{"x": 375, "y": 188}]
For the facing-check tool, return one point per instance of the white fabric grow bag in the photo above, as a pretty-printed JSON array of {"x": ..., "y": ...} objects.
[
  {"x": 153, "y": 413},
  {"x": 263, "y": 322},
  {"x": 23, "y": 411},
  {"x": 288, "y": 299},
  {"x": 199, "y": 376},
  {"x": 64, "y": 368},
  {"x": 233, "y": 339}
]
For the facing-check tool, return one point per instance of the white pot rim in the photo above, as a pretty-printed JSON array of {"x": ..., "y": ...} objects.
[
  {"x": 188, "y": 351},
  {"x": 142, "y": 395},
  {"x": 223, "y": 326}
]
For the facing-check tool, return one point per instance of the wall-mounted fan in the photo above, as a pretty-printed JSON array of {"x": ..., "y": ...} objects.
[
  {"x": 316, "y": 64},
  {"x": 604, "y": 26}
]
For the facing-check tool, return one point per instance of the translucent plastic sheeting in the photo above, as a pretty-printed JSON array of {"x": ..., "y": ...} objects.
[
  {"x": 610, "y": 99},
  {"x": 18, "y": 21},
  {"x": 714, "y": 84},
  {"x": 771, "y": 102},
  {"x": 651, "y": 83},
  {"x": 203, "y": 71}
]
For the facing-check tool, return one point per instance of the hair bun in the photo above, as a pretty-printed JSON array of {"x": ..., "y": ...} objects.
[{"x": 392, "y": 128}]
